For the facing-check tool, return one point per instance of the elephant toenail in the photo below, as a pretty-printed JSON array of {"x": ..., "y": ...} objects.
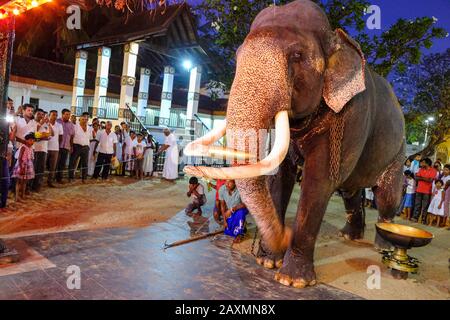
[
  {"x": 260, "y": 261},
  {"x": 269, "y": 264},
  {"x": 313, "y": 282},
  {"x": 279, "y": 263},
  {"x": 299, "y": 283},
  {"x": 284, "y": 280}
]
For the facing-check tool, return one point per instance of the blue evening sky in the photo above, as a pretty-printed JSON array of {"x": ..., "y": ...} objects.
[{"x": 391, "y": 10}]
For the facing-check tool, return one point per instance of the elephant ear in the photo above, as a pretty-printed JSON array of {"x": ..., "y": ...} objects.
[{"x": 344, "y": 76}]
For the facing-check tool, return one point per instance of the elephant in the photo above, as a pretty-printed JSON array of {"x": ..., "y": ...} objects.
[{"x": 329, "y": 108}]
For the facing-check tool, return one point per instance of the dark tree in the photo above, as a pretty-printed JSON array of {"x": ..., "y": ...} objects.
[
  {"x": 424, "y": 91},
  {"x": 228, "y": 22}
]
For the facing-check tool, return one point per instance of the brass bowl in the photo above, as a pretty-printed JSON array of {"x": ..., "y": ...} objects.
[{"x": 402, "y": 236}]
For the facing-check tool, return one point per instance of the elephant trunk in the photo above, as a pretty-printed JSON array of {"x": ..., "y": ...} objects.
[{"x": 260, "y": 96}]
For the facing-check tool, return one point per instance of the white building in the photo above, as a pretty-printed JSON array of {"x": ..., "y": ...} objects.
[{"x": 138, "y": 74}]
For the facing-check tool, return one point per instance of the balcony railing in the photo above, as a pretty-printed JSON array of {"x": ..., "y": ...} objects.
[
  {"x": 84, "y": 104},
  {"x": 177, "y": 118},
  {"x": 108, "y": 107}
]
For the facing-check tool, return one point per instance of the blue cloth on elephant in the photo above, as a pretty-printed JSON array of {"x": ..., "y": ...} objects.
[{"x": 236, "y": 223}]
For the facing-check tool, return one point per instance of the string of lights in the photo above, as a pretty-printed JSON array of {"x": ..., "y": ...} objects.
[{"x": 16, "y": 7}]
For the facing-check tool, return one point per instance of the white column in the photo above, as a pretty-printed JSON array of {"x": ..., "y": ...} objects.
[
  {"x": 193, "y": 95},
  {"x": 166, "y": 96},
  {"x": 144, "y": 83},
  {"x": 79, "y": 79},
  {"x": 101, "y": 81},
  {"x": 26, "y": 95},
  {"x": 128, "y": 80}
]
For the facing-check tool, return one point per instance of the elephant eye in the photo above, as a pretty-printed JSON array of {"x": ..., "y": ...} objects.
[{"x": 296, "y": 55}]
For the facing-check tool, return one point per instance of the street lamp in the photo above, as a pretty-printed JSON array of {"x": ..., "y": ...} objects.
[
  {"x": 187, "y": 64},
  {"x": 427, "y": 122}
]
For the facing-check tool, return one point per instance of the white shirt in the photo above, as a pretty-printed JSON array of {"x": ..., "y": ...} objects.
[
  {"x": 42, "y": 145},
  {"x": 139, "y": 146},
  {"x": 129, "y": 144},
  {"x": 94, "y": 134},
  {"x": 106, "y": 142},
  {"x": 411, "y": 186},
  {"x": 53, "y": 143},
  {"x": 82, "y": 137},
  {"x": 23, "y": 128}
]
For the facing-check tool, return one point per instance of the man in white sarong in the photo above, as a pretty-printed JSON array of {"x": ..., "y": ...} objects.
[{"x": 170, "y": 171}]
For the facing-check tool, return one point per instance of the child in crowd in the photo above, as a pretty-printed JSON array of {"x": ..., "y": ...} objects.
[
  {"x": 197, "y": 194},
  {"x": 436, "y": 208},
  {"x": 447, "y": 203},
  {"x": 138, "y": 151},
  {"x": 148, "y": 156},
  {"x": 129, "y": 156},
  {"x": 369, "y": 197},
  {"x": 24, "y": 169},
  {"x": 217, "y": 208},
  {"x": 438, "y": 167},
  {"x": 410, "y": 192},
  {"x": 415, "y": 164},
  {"x": 407, "y": 164},
  {"x": 446, "y": 174}
]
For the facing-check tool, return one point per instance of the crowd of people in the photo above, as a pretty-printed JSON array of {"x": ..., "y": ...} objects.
[
  {"x": 51, "y": 147},
  {"x": 426, "y": 191}
]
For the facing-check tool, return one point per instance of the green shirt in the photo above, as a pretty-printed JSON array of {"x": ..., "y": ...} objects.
[{"x": 230, "y": 200}]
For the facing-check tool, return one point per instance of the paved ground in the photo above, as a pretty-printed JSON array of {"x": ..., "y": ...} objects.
[{"x": 130, "y": 264}]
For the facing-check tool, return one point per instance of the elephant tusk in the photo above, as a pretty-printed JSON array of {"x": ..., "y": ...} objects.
[
  {"x": 200, "y": 147},
  {"x": 263, "y": 167},
  {"x": 219, "y": 152}
]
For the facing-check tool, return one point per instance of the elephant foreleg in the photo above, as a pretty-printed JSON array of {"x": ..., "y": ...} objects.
[
  {"x": 388, "y": 194},
  {"x": 354, "y": 226},
  {"x": 280, "y": 185},
  {"x": 298, "y": 265}
]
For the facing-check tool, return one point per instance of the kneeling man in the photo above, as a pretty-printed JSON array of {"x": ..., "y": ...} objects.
[{"x": 233, "y": 209}]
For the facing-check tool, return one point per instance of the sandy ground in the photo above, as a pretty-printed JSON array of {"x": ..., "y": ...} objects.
[
  {"x": 118, "y": 202},
  {"x": 123, "y": 202}
]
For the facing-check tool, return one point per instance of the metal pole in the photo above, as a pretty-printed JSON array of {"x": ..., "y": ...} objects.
[
  {"x": 181, "y": 242},
  {"x": 426, "y": 134},
  {"x": 7, "y": 34}
]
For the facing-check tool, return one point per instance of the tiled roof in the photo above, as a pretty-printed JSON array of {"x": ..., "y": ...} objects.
[
  {"x": 45, "y": 70},
  {"x": 138, "y": 26}
]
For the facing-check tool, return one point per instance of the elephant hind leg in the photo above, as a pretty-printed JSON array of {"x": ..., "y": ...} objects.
[
  {"x": 354, "y": 226},
  {"x": 388, "y": 196}
]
